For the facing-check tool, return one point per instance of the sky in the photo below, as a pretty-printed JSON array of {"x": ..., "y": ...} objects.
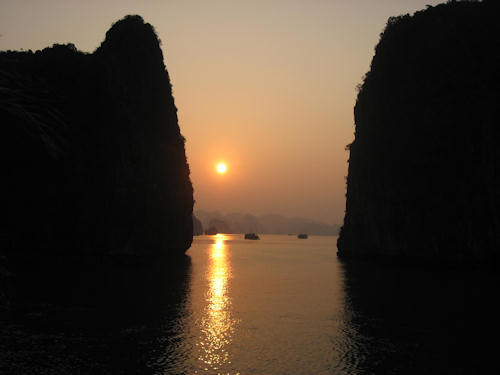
[{"x": 268, "y": 86}]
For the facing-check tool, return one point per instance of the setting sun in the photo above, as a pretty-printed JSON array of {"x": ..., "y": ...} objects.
[{"x": 221, "y": 168}]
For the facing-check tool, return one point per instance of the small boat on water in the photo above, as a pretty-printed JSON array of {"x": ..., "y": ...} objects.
[
  {"x": 251, "y": 236},
  {"x": 302, "y": 236}
]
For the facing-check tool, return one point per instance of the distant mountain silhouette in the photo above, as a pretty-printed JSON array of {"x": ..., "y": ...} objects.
[
  {"x": 197, "y": 226},
  {"x": 92, "y": 157},
  {"x": 424, "y": 167},
  {"x": 266, "y": 224},
  {"x": 219, "y": 225}
]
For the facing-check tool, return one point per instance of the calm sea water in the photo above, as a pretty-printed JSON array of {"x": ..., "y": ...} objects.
[
  {"x": 273, "y": 306},
  {"x": 278, "y": 305}
]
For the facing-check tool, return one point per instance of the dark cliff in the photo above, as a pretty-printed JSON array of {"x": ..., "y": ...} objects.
[
  {"x": 424, "y": 167},
  {"x": 92, "y": 156}
]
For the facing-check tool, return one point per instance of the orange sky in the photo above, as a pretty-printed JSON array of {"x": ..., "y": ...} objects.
[{"x": 267, "y": 86}]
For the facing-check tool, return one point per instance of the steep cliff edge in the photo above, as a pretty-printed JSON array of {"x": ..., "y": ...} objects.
[
  {"x": 424, "y": 167},
  {"x": 91, "y": 152}
]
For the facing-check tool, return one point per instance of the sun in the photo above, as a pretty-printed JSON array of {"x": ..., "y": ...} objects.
[{"x": 221, "y": 168}]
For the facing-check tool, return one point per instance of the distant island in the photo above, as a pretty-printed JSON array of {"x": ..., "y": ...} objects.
[
  {"x": 197, "y": 226},
  {"x": 93, "y": 160},
  {"x": 424, "y": 167},
  {"x": 263, "y": 224}
]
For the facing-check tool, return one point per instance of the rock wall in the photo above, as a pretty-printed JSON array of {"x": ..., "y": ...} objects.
[
  {"x": 92, "y": 154},
  {"x": 424, "y": 167}
]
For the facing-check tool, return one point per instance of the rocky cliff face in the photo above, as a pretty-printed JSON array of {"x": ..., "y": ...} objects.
[
  {"x": 93, "y": 158},
  {"x": 424, "y": 168}
]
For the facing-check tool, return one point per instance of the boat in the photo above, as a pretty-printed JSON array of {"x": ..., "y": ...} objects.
[
  {"x": 302, "y": 236},
  {"x": 251, "y": 236}
]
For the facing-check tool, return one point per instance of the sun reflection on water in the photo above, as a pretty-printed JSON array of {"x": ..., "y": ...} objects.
[{"x": 217, "y": 325}]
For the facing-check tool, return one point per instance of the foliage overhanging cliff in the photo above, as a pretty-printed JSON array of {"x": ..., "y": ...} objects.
[
  {"x": 91, "y": 150},
  {"x": 424, "y": 167}
]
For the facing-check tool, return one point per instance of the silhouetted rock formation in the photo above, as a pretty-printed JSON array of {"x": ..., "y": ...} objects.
[
  {"x": 91, "y": 152},
  {"x": 197, "y": 227},
  {"x": 424, "y": 168},
  {"x": 220, "y": 225},
  {"x": 211, "y": 231}
]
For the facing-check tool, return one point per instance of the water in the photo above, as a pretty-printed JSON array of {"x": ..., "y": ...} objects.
[
  {"x": 268, "y": 306},
  {"x": 279, "y": 305}
]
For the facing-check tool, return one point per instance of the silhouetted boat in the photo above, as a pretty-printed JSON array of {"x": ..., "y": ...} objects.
[
  {"x": 251, "y": 236},
  {"x": 302, "y": 236}
]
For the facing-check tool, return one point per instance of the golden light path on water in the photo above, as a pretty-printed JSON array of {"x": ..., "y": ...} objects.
[{"x": 217, "y": 325}]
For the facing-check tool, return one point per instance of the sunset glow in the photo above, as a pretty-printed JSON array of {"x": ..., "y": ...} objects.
[
  {"x": 221, "y": 168},
  {"x": 240, "y": 71},
  {"x": 217, "y": 323}
]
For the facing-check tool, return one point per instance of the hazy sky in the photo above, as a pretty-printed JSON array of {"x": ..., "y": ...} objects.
[{"x": 266, "y": 85}]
